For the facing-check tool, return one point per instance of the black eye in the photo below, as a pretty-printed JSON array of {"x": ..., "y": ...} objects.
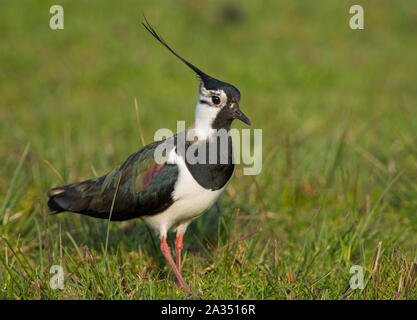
[{"x": 215, "y": 99}]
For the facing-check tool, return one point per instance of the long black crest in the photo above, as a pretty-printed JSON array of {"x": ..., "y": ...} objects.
[{"x": 204, "y": 77}]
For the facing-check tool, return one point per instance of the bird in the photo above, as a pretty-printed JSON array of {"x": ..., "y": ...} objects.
[{"x": 169, "y": 191}]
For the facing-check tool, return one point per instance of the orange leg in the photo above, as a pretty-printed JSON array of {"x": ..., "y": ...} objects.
[
  {"x": 166, "y": 251},
  {"x": 178, "y": 248}
]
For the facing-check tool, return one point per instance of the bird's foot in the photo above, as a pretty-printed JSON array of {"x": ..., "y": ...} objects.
[{"x": 166, "y": 251}]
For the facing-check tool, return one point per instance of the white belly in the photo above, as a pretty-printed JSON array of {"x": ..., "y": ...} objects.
[{"x": 190, "y": 200}]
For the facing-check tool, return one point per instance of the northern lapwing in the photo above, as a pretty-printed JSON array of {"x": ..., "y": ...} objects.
[{"x": 170, "y": 191}]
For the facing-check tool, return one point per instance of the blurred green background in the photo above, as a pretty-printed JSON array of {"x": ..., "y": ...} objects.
[{"x": 337, "y": 108}]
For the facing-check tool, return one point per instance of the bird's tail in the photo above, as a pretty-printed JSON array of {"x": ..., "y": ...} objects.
[{"x": 76, "y": 197}]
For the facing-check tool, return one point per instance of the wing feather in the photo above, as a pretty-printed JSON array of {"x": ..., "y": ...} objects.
[{"x": 145, "y": 188}]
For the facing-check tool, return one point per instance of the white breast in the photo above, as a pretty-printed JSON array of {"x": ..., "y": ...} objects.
[{"x": 190, "y": 200}]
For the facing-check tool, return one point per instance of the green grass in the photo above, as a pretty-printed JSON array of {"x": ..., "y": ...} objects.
[{"x": 337, "y": 109}]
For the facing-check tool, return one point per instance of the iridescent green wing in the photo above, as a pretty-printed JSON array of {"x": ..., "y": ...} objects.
[{"x": 139, "y": 186}]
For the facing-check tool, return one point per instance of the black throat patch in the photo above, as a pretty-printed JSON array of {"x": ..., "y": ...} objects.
[{"x": 214, "y": 175}]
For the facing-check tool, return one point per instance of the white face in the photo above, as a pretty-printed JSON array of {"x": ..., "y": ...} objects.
[
  {"x": 212, "y": 98},
  {"x": 209, "y": 104}
]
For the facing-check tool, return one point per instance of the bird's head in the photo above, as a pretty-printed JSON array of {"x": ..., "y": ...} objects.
[{"x": 218, "y": 103}]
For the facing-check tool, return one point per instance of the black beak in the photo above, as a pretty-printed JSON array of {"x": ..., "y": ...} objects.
[{"x": 238, "y": 114}]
